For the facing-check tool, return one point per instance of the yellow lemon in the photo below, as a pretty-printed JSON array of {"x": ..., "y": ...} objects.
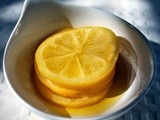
[
  {"x": 78, "y": 58},
  {"x": 70, "y": 102},
  {"x": 66, "y": 92}
]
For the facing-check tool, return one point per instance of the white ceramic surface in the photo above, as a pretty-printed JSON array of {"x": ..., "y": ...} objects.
[{"x": 41, "y": 18}]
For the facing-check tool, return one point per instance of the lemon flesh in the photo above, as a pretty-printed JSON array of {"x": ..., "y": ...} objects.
[{"x": 78, "y": 58}]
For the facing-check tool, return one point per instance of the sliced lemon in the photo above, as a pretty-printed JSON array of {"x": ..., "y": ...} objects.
[
  {"x": 70, "y": 102},
  {"x": 66, "y": 92},
  {"x": 78, "y": 58}
]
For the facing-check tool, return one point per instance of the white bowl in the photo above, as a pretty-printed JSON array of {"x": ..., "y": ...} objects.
[{"x": 41, "y": 18}]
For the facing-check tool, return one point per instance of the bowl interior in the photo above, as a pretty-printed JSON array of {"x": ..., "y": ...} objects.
[{"x": 135, "y": 60}]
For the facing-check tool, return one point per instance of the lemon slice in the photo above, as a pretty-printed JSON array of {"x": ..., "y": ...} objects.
[
  {"x": 78, "y": 58},
  {"x": 71, "y": 102},
  {"x": 66, "y": 92}
]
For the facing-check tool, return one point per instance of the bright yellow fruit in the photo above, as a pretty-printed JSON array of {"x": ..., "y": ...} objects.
[
  {"x": 66, "y": 92},
  {"x": 70, "y": 102},
  {"x": 78, "y": 58}
]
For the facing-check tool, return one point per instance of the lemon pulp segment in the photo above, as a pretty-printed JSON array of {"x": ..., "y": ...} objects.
[
  {"x": 75, "y": 67},
  {"x": 78, "y": 57}
]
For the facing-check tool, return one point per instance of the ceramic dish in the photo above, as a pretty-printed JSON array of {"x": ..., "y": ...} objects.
[{"x": 135, "y": 67}]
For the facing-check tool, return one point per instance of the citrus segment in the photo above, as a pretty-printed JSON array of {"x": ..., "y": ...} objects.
[
  {"x": 70, "y": 102},
  {"x": 79, "y": 57},
  {"x": 68, "y": 92},
  {"x": 76, "y": 67}
]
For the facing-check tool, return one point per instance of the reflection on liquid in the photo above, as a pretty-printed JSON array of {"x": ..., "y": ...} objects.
[{"x": 124, "y": 76}]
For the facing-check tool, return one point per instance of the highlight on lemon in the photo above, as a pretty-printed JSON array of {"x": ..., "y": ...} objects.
[{"x": 75, "y": 67}]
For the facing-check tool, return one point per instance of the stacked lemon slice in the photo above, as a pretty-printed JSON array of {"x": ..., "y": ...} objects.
[{"x": 75, "y": 67}]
